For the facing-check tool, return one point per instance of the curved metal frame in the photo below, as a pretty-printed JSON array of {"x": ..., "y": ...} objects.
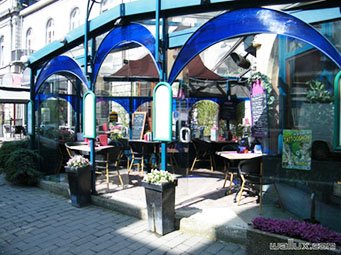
[
  {"x": 118, "y": 38},
  {"x": 59, "y": 65},
  {"x": 248, "y": 21}
]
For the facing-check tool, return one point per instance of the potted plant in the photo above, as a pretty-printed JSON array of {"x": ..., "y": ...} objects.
[
  {"x": 160, "y": 198},
  {"x": 287, "y": 236},
  {"x": 79, "y": 177}
]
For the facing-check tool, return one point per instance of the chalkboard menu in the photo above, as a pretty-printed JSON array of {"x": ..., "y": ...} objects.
[
  {"x": 139, "y": 119},
  {"x": 259, "y": 115}
]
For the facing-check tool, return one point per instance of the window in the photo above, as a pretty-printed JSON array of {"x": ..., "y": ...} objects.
[
  {"x": 104, "y": 6},
  {"x": 2, "y": 50},
  {"x": 49, "y": 31},
  {"x": 74, "y": 18},
  {"x": 107, "y": 4},
  {"x": 28, "y": 43}
]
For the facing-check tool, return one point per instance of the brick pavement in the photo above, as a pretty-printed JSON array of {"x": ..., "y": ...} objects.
[{"x": 34, "y": 221}]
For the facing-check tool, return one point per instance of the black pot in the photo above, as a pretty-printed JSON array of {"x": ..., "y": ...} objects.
[
  {"x": 160, "y": 207},
  {"x": 80, "y": 185}
]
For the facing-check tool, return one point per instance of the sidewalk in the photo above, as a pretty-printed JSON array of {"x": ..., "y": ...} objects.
[{"x": 34, "y": 221}]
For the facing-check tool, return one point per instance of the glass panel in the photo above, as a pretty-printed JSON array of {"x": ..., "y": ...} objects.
[
  {"x": 183, "y": 22},
  {"x": 58, "y": 119},
  {"x": 126, "y": 73}
]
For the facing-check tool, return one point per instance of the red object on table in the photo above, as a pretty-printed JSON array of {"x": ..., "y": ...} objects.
[{"x": 103, "y": 140}]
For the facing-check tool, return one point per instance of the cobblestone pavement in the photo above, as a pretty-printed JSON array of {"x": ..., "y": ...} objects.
[{"x": 34, "y": 221}]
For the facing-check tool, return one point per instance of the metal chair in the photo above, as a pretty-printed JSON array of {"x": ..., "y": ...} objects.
[
  {"x": 137, "y": 157},
  {"x": 141, "y": 153},
  {"x": 252, "y": 180},
  {"x": 230, "y": 167},
  {"x": 126, "y": 152},
  {"x": 203, "y": 152},
  {"x": 171, "y": 152},
  {"x": 71, "y": 152},
  {"x": 107, "y": 161}
]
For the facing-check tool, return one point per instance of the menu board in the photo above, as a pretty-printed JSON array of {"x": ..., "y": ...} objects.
[
  {"x": 139, "y": 119},
  {"x": 259, "y": 113}
]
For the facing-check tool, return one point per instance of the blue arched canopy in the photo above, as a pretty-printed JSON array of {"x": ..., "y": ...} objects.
[
  {"x": 245, "y": 22},
  {"x": 59, "y": 65},
  {"x": 129, "y": 104},
  {"x": 121, "y": 36}
]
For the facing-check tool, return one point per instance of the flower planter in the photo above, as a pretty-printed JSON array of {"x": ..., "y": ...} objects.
[
  {"x": 160, "y": 200},
  {"x": 265, "y": 243},
  {"x": 80, "y": 185}
]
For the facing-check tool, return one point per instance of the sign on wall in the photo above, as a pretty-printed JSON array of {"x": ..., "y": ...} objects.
[
  {"x": 89, "y": 115},
  {"x": 162, "y": 112},
  {"x": 259, "y": 111},
  {"x": 297, "y": 149}
]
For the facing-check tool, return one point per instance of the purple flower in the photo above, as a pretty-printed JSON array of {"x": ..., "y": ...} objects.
[{"x": 314, "y": 233}]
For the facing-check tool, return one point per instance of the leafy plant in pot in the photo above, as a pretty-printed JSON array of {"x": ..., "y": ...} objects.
[
  {"x": 160, "y": 197},
  {"x": 79, "y": 177}
]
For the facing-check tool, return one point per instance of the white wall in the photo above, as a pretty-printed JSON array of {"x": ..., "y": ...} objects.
[{"x": 59, "y": 11}]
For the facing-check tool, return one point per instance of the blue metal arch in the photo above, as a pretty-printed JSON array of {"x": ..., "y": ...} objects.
[
  {"x": 129, "y": 104},
  {"x": 121, "y": 36},
  {"x": 59, "y": 65},
  {"x": 245, "y": 22}
]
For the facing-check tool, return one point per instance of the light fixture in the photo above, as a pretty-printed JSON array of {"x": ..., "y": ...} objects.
[{"x": 240, "y": 61}]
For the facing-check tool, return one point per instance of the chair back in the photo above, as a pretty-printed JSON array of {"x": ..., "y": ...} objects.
[
  {"x": 201, "y": 147},
  {"x": 230, "y": 147},
  {"x": 114, "y": 155},
  {"x": 148, "y": 149},
  {"x": 124, "y": 143},
  {"x": 250, "y": 167},
  {"x": 72, "y": 152},
  {"x": 136, "y": 148}
]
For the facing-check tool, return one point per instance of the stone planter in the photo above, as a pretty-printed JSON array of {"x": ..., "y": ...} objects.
[
  {"x": 80, "y": 185},
  {"x": 264, "y": 243},
  {"x": 160, "y": 207}
]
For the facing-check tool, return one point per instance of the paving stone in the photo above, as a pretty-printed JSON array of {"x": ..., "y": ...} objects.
[{"x": 38, "y": 222}]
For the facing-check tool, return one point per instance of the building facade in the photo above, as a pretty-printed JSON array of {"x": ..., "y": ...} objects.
[{"x": 279, "y": 63}]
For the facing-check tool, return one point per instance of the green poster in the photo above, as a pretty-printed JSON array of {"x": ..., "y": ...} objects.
[{"x": 297, "y": 149}]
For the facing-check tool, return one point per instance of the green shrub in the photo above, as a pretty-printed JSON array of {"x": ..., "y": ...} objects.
[
  {"x": 7, "y": 148},
  {"x": 21, "y": 167}
]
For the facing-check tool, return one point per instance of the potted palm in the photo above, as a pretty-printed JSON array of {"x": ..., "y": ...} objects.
[
  {"x": 160, "y": 197},
  {"x": 79, "y": 177}
]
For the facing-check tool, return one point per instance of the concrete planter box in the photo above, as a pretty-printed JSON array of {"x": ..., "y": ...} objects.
[
  {"x": 80, "y": 185},
  {"x": 264, "y": 243},
  {"x": 160, "y": 207}
]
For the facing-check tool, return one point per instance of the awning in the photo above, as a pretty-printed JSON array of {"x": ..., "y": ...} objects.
[
  {"x": 136, "y": 70},
  {"x": 144, "y": 69},
  {"x": 15, "y": 96},
  {"x": 197, "y": 70}
]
